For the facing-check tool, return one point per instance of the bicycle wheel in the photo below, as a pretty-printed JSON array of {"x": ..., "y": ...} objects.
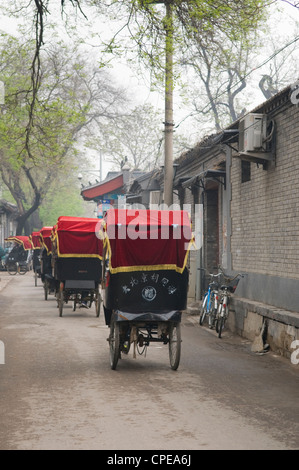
[
  {"x": 12, "y": 269},
  {"x": 221, "y": 324},
  {"x": 114, "y": 344},
  {"x": 175, "y": 345},
  {"x": 203, "y": 310},
  {"x": 212, "y": 318}
]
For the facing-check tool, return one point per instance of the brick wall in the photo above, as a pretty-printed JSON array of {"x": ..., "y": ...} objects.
[
  {"x": 258, "y": 220},
  {"x": 265, "y": 210}
]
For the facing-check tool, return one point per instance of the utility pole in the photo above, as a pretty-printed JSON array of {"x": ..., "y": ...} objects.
[
  {"x": 168, "y": 123},
  {"x": 101, "y": 166}
]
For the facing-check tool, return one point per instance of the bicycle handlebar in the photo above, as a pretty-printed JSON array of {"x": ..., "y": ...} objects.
[
  {"x": 222, "y": 273},
  {"x": 210, "y": 274},
  {"x": 214, "y": 275},
  {"x": 230, "y": 279}
]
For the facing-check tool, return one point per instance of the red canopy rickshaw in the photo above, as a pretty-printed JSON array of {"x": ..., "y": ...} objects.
[
  {"x": 49, "y": 284},
  {"x": 145, "y": 278},
  {"x": 21, "y": 240},
  {"x": 20, "y": 257},
  {"x": 36, "y": 244},
  {"x": 77, "y": 256}
]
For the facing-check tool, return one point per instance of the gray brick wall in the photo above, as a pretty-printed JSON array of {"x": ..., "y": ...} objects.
[{"x": 265, "y": 210}]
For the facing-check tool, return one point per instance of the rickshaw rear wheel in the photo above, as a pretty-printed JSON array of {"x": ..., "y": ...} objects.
[
  {"x": 98, "y": 300},
  {"x": 23, "y": 269},
  {"x": 46, "y": 289},
  {"x": 175, "y": 345},
  {"x": 12, "y": 268},
  {"x": 60, "y": 302},
  {"x": 114, "y": 344}
]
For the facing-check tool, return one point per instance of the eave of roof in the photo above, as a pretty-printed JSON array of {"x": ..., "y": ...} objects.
[{"x": 102, "y": 188}]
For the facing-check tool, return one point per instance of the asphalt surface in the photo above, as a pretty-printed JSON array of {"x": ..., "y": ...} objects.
[{"x": 58, "y": 391}]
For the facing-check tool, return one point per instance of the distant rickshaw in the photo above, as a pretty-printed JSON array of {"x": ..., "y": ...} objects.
[
  {"x": 47, "y": 277},
  {"x": 19, "y": 259},
  {"x": 36, "y": 263},
  {"x": 77, "y": 262}
]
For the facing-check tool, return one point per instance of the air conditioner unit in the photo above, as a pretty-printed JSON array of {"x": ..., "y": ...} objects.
[{"x": 252, "y": 133}]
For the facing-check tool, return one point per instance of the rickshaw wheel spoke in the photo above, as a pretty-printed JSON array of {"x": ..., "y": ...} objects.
[
  {"x": 175, "y": 345},
  {"x": 114, "y": 344}
]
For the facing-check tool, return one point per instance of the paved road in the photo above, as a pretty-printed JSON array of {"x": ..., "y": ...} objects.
[{"x": 58, "y": 391}]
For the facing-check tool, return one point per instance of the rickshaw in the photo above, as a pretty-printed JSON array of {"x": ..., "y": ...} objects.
[
  {"x": 19, "y": 259},
  {"x": 36, "y": 263},
  {"x": 48, "y": 280},
  {"x": 77, "y": 262},
  {"x": 145, "y": 279}
]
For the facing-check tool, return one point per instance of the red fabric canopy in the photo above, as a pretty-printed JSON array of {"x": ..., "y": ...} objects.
[
  {"x": 35, "y": 240},
  {"x": 140, "y": 240},
  {"x": 45, "y": 238},
  {"x": 77, "y": 237},
  {"x": 21, "y": 240}
]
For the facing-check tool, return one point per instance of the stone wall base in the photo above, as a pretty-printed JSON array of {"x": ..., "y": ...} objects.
[{"x": 265, "y": 326}]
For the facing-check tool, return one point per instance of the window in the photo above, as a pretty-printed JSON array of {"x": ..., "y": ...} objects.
[{"x": 245, "y": 171}]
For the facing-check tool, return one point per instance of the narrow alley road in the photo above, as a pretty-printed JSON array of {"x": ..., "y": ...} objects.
[{"x": 58, "y": 391}]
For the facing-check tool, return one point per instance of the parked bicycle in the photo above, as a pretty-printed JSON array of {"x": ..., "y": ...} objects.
[
  {"x": 225, "y": 292},
  {"x": 210, "y": 302}
]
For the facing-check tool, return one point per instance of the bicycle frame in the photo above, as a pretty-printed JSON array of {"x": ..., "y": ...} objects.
[
  {"x": 207, "y": 299},
  {"x": 210, "y": 302},
  {"x": 223, "y": 308}
]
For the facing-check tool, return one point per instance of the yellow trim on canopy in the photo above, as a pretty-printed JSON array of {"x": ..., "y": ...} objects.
[
  {"x": 55, "y": 238},
  {"x": 31, "y": 241},
  {"x": 159, "y": 267},
  {"x": 43, "y": 245},
  {"x": 20, "y": 242}
]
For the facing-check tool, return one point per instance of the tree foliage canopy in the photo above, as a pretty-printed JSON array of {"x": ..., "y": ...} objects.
[
  {"x": 71, "y": 95},
  {"x": 211, "y": 36}
]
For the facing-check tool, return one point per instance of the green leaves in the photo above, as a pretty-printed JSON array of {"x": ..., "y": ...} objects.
[{"x": 39, "y": 134}]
